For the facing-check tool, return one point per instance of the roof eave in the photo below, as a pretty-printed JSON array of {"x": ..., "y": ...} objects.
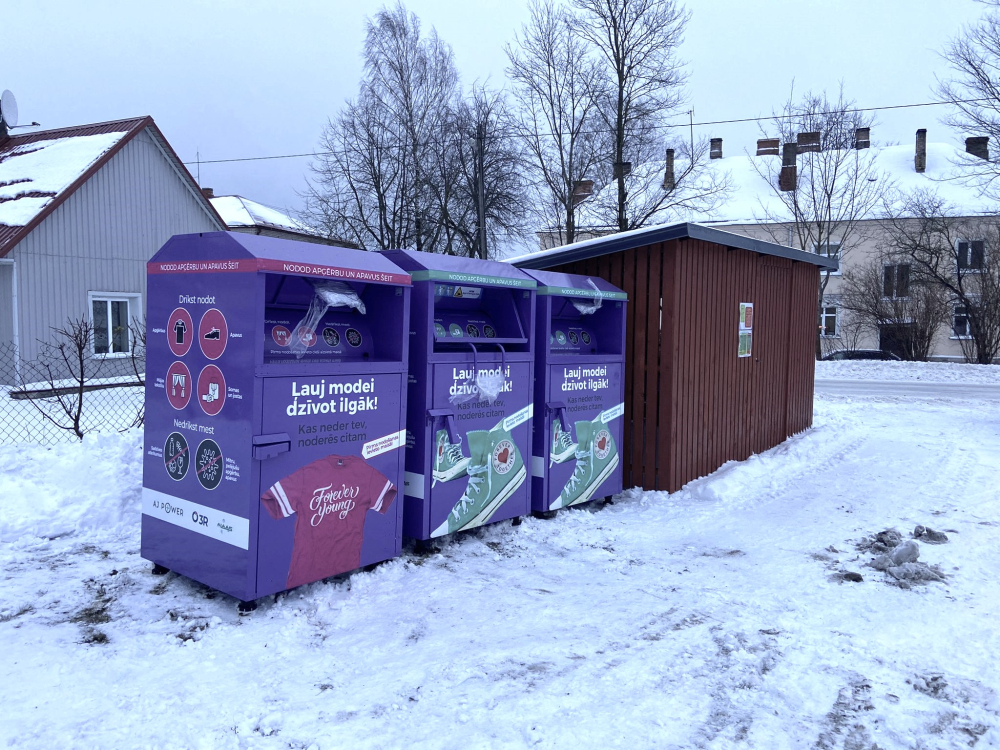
[{"x": 614, "y": 243}]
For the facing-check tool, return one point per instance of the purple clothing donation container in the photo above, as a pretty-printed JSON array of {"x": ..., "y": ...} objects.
[
  {"x": 469, "y": 404},
  {"x": 579, "y": 390},
  {"x": 275, "y": 403}
]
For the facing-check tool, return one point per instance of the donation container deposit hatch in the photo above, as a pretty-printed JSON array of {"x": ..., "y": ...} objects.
[
  {"x": 579, "y": 390},
  {"x": 469, "y": 402},
  {"x": 275, "y": 396}
]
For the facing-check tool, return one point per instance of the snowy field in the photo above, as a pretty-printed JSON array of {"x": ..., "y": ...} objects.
[
  {"x": 930, "y": 372},
  {"x": 716, "y": 617}
]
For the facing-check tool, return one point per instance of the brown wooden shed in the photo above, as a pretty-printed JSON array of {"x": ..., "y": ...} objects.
[{"x": 692, "y": 402}]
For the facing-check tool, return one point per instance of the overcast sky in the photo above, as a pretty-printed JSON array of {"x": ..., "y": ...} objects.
[{"x": 238, "y": 79}]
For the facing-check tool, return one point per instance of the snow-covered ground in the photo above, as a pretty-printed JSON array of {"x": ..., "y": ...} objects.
[
  {"x": 716, "y": 617},
  {"x": 931, "y": 372}
]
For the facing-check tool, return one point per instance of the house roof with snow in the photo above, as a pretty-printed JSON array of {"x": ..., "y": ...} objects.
[
  {"x": 40, "y": 170},
  {"x": 950, "y": 172},
  {"x": 244, "y": 215}
]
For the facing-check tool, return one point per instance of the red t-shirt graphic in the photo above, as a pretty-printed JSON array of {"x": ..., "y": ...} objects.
[{"x": 330, "y": 499}]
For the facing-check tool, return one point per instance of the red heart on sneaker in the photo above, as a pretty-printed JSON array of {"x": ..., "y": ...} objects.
[
  {"x": 601, "y": 443},
  {"x": 503, "y": 455}
]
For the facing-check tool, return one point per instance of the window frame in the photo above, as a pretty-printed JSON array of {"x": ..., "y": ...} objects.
[
  {"x": 958, "y": 256},
  {"x": 954, "y": 335},
  {"x": 895, "y": 281},
  {"x": 133, "y": 300},
  {"x": 836, "y": 322},
  {"x": 837, "y": 257}
]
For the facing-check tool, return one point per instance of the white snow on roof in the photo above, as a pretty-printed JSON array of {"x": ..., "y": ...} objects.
[
  {"x": 947, "y": 174},
  {"x": 45, "y": 167},
  {"x": 238, "y": 211}
]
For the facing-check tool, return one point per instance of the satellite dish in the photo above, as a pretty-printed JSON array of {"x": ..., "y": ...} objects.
[{"x": 8, "y": 109}]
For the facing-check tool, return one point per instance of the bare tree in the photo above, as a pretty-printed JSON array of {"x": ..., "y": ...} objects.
[
  {"x": 487, "y": 205},
  {"x": 883, "y": 294},
  {"x": 960, "y": 256},
  {"x": 63, "y": 373},
  {"x": 359, "y": 190},
  {"x": 559, "y": 84},
  {"x": 836, "y": 189},
  {"x": 637, "y": 42},
  {"x": 974, "y": 91}
]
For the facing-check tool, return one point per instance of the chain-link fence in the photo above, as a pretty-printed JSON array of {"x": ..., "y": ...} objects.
[{"x": 66, "y": 391}]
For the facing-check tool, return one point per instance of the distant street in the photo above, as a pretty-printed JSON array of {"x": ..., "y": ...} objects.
[{"x": 908, "y": 388}]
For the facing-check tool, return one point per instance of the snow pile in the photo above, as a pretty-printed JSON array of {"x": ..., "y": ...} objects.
[
  {"x": 71, "y": 488},
  {"x": 46, "y": 167},
  {"x": 704, "y": 618},
  {"x": 931, "y": 372}
]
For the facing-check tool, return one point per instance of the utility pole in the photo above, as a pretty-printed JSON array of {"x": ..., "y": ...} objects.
[{"x": 480, "y": 170}]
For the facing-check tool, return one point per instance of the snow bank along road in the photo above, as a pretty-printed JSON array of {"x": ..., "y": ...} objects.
[
  {"x": 909, "y": 389},
  {"x": 716, "y": 617}
]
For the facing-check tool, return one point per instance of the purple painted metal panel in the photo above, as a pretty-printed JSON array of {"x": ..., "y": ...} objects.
[
  {"x": 579, "y": 391},
  {"x": 467, "y": 459},
  {"x": 263, "y": 471}
]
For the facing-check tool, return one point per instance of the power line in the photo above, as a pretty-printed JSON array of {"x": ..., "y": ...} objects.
[{"x": 665, "y": 126}]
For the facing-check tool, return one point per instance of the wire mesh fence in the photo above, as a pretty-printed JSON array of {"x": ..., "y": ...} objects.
[{"x": 66, "y": 391}]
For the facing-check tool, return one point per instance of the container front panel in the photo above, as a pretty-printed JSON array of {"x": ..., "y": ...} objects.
[
  {"x": 480, "y": 450},
  {"x": 329, "y": 504},
  {"x": 581, "y": 424},
  {"x": 198, "y": 484}
]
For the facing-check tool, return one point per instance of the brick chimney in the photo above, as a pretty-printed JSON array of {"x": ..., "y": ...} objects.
[
  {"x": 715, "y": 151},
  {"x": 808, "y": 142},
  {"x": 978, "y": 146},
  {"x": 208, "y": 192},
  {"x": 668, "y": 173},
  {"x": 788, "y": 178},
  {"x": 920, "y": 157},
  {"x": 862, "y": 138},
  {"x": 768, "y": 147},
  {"x": 582, "y": 190}
]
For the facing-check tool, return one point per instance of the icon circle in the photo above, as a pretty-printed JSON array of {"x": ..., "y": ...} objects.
[
  {"x": 213, "y": 333},
  {"x": 331, "y": 336},
  {"x": 353, "y": 336},
  {"x": 176, "y": 457},
  {"x": 179, "y": 385},
  {"x": 208, "y": 464},
  {"x": 281, "y": 335},
  {"x": 180, "y": 331},
  {"x": 211, "y": 390},
  {"x": 306, "y": 336}
]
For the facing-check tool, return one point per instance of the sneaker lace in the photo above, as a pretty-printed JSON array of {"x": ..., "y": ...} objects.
[
  {"x": 477, "y": 475},
  {"x": 582, "y": 460},
  {"x": 563, "y": 439},
  {"x": 453, "y": 452}
]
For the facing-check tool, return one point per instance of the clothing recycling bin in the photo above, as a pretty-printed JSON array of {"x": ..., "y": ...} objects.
[
  {"x": 579, "y": 390},
  {"x": 275, "y": 403},
  {"x": 469, "y": 403}
]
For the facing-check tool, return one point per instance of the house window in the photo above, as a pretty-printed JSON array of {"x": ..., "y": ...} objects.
[
  {"x": 829, "y": 250},
  {"x": 828, "y": 322},
  {"x": 960, "y": 322},
  {"x": 896, "y": 281},
  {"x": 111, "y": 315},
  {"x": 971, "y": 254}
]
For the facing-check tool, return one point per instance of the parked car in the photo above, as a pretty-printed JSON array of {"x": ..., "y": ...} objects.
[{"x": 843, "y": 354}]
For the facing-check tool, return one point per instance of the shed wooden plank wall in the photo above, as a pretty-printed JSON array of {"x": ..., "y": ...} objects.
[{"x": 691, "y": 403}]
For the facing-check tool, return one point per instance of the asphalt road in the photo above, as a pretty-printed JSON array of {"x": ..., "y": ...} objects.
[{"x": 911, "y": 389}]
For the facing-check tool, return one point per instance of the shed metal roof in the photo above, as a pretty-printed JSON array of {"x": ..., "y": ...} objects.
[{"x": 613, "y": 243}]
